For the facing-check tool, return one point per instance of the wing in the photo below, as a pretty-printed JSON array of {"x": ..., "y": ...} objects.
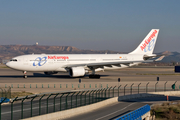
[{"x": 101, "y": 64}]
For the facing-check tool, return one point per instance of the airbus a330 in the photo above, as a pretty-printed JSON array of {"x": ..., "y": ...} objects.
[{"x": 81, "y": 64}]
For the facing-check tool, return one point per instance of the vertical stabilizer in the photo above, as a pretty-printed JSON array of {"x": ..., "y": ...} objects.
[{"x": 148, "y": 44}]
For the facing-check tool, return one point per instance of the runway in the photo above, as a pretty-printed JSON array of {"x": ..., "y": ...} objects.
[{"x": 62, "y": 81}]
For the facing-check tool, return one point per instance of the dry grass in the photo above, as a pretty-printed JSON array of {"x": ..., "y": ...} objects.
[
  {"x": 167, "y": 111},
  {"x": 20, "y": 94},
  {"x": 3, "y": 66}
]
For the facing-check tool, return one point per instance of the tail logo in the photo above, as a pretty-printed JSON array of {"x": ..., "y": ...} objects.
[
  {"x": 149, "y": 40},
  {"x": 40, "y": 61},
  {"x": 150, "y": 46}
]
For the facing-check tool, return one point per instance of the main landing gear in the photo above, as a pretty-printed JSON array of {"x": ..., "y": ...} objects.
[
  {"x": 94, "y": 76},
  {"x": 25, "y": 76}
]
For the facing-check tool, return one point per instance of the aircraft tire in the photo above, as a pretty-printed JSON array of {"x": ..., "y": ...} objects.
[
  {"x": 25, "y": 76},
  {"x": 95, "y": 76}
]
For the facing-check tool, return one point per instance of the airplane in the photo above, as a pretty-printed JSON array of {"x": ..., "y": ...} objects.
[{"x": 78, "y": 65}]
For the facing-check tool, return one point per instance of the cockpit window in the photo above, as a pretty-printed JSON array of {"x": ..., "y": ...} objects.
[{"x": 14, "y": 60}]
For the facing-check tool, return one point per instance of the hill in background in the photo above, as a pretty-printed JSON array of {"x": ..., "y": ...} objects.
[{"x": 9, "y": 51}]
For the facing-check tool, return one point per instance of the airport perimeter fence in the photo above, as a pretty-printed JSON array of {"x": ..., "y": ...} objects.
[
  {"x": 59, "y": 86},
  {"x": 34, "y": 105},
  {"x": 77, "y": 86},
  {"x": 5, "y": 92}
]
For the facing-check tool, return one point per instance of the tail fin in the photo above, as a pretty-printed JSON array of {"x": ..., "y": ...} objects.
[{"x": 148, "y": 44}]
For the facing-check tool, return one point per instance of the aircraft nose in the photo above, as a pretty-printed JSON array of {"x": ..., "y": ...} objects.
[{"x": 8, "y": 64}]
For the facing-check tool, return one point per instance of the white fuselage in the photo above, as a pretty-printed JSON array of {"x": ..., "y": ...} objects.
[{"x": 58, "y": 62}]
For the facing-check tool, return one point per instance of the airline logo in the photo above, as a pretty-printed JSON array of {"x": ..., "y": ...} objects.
[
  {"x": 58, "y": 57},
  {"x": 150, "y": 46},
  {"x": 40, "y": 61},
  {"x": 149, "y": 43}
]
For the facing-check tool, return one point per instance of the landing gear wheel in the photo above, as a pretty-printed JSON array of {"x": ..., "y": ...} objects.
[
  {"x": 25, "y": 76},
  {"x": 94, "y": 76}
]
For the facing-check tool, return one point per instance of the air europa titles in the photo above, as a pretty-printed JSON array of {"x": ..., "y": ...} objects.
[
  {"x": 58, "y": 57},
  {"x": 148, "y": 40}
]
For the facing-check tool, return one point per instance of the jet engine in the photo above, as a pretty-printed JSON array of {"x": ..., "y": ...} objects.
[
  {"x": 50, "y": 73},
  {"x": 77, "y": 71}
]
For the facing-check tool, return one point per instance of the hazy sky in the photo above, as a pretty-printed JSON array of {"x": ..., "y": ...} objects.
[{"x": 118, "y": 25}]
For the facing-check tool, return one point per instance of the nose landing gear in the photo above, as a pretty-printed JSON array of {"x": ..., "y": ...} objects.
[{"x": 25, "y": 76}]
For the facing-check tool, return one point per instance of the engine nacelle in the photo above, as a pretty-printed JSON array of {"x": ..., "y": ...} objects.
[
  {"x": 77, "y": 71},
  {"x": 50, "y": 73}
]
